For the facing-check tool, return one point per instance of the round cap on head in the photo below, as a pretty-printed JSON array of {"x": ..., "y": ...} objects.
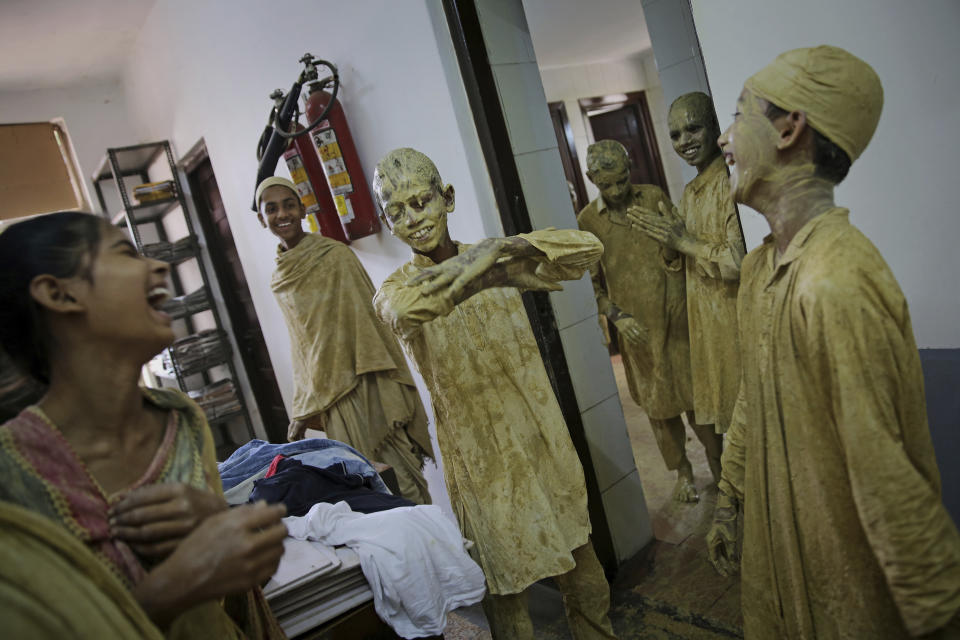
[
  {"x": 273, "y": 181},
  {"x": 840, "y": 93}
]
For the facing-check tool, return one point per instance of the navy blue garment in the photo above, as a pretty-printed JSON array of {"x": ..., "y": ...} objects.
[
  {"x": 300, "y": 486},
  {"x": 255, "y": 456}
]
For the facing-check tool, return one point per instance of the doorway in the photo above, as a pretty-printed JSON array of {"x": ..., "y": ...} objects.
[
  {"x": 239, "y": 304},
  {"x": 625, "y": 117}
]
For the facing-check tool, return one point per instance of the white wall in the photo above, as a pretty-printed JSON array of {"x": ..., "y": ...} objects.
[
  {"x": 95, "y": 114},
  {"x": 902, "y": 191},
  {"x": 210, "y": 76},
  {"x": 638, "y": 73}
]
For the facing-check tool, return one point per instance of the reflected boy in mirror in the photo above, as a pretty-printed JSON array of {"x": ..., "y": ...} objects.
[
  {"x": 706, "y": 230},
  {"x": 513, "y": 476},
  {"x": 641, "y": 291}
]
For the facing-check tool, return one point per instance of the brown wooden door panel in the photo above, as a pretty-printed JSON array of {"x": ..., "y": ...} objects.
[
  {"x": 626, "y": 119},
  {"x": 237, "y": 299}
]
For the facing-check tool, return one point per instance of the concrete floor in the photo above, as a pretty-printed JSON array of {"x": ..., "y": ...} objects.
[{"x": 668, "y": 591}]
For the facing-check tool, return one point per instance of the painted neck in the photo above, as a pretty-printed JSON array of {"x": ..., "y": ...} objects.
[
  {"x": 444, "y": 251},
  {"x": 790, "y": 200},
  {"x": 94, "y": 391},
  {"x": 703, "y": 166}
]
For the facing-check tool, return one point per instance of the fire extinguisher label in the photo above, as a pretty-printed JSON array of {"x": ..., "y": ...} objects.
[
  {"x": 299, "y": 176},
  {"x": 332, "y": 159},
  {"x": 344, "y": 208}
]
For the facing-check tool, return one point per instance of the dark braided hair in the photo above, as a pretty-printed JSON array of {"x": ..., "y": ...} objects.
[{"x": 59, "y": 244}]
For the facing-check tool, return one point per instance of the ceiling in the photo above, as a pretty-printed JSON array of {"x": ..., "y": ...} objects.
[
  {"x": 570, "y": 32},
  {"x": 52, "y": 43}
]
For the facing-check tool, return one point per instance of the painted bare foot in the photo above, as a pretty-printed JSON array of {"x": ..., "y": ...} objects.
[{"x": 684, "y": 490}]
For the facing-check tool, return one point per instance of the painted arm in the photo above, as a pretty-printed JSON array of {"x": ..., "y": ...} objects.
[
  {"x": 722, "y": 537},
  {"x": 533, "y": 261},
  {"x": 231, "y": 552},
  {"x": 666, "y": 226},
  {"x": 862, "y": 350}
]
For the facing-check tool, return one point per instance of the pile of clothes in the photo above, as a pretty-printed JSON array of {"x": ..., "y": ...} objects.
[{"x": 343, "y": 520}]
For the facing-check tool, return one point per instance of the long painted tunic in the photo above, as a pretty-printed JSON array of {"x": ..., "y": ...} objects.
[
  {"x": 639, "y": 283},
  {"x": 513, "y": 476},
  {"x": 713, "y": 277},
  {"x": 845, "y": 535},
  {"x": 325, "y": 295}
]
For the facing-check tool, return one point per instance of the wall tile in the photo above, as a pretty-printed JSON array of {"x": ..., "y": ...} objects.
[
  {"x": 524, "y": 106},
  {"x": 668, "y": 32},
  {"x": 609, "y": 442},
  {"x": 505, "y": 31},
  {"x": 589, "y": 361},
  {"x": 545, "y": 189},
  {"x": 575, "y": 303},
  {"x": 627, "y": 516},
  {"x": 682, "y": 78}
]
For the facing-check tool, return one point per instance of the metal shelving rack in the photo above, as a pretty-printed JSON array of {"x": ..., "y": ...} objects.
[{"x": 135, "y": 161}]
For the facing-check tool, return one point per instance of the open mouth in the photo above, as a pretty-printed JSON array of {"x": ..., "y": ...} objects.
[
  {"x": 156, "y": 298},
  {"x": 283, "y": 225},
  {"x": 728, "y": 158},
  {"x": 690, "y": 152},
  {"x": 421, "y": 233}
]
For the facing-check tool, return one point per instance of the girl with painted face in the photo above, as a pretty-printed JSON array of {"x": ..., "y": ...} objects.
[{"x": 129, "y": 472}]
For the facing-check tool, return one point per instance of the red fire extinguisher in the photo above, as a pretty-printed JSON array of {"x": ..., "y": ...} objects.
[
  {"x": 307, "y": 174},
  {"x": 341, "y": 164}
]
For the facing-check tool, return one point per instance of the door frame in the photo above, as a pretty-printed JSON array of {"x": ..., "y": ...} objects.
[
  {"x": 569, "y": 147},
  {"x": 189, "y": 163},
  {"x": 637, "y": 100}
]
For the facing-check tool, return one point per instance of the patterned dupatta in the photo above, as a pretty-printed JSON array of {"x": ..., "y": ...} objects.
[{"x": 40, "y": 471}]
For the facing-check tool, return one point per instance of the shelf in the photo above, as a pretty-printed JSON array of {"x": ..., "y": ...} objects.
[
  {"x": 199, "y": 352},
  {"x": 236, "y": 413},
  {"x": 173, "y": 253},
  {"x": 147, "y": 212},
  {"x": 131, "y": 160},
  {"x": 187, "y": 305}
]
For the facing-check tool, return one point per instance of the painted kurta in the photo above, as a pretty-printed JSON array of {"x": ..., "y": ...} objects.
[
  {"x": 845, "y": 535},
  {"x": 639, "y": 282},
  {"x": 713, "y": 277},
  {"x": 325, "y": 295},
  {"x": 513, "y": 476},
  {"x": 40, "y": 471}
]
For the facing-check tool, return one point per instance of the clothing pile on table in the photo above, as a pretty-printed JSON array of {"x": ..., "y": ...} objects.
[{"x": 351, "y": 540}]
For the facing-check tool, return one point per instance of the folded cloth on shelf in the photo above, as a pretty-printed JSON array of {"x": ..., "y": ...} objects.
[
  {"x": 301, "y": 486},
  {"x": 413, "y": 558},
  {"x": 254, "y": 458}
]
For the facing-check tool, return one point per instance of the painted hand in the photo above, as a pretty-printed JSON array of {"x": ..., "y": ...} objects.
[
  {"x": 453, "y": 275},
  {"x": 665, "y": 226},
  {"x": 630, "y": 329},
  {"x": 722, "y": 536},
  {"x": 296, "y": 430},
  {"x": 154, "y": 519},
  {"x": 230, "y": 552}
]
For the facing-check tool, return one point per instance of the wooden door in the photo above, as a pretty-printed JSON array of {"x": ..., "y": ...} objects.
[
  {"x": 626, "y": 119},
  {"x": 568, "y": 152},
  {"x": 236, "y": 298}
]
